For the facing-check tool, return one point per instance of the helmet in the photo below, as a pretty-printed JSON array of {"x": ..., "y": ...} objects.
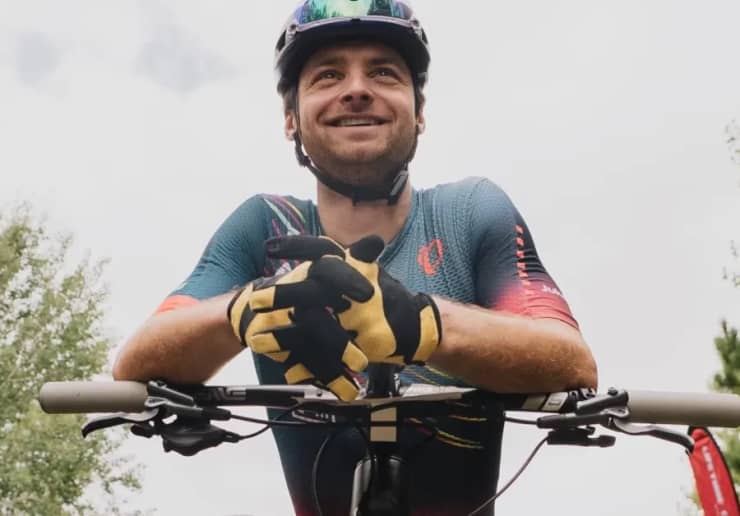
[{"x": 317, "y": 22}]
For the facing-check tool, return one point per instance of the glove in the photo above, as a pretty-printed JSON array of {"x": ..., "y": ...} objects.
[
  {"x": 393, "y": 325},
  {"x": 286, "y": 319}
]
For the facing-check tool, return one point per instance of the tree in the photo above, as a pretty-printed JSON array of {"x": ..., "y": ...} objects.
[
  {"x": 728, "y": 345},
  {"x": 728, "y": 380},
  {"x": 51, "y": 328}
]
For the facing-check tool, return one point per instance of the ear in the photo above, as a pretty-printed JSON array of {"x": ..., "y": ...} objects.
[
  {"x": 421, "y": 123},
  {"x": 291, "y": 125}
]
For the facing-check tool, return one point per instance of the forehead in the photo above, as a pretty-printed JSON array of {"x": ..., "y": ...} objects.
[{"x": 348, "y": 52}]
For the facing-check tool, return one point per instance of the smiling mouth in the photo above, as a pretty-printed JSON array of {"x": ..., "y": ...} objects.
[{"x": 357, "y": 122}]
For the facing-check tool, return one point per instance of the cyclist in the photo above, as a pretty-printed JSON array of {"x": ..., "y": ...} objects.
[{"x": 457, "y": 293}]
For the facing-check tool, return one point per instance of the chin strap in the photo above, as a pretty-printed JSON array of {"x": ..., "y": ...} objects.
[{"x": 354, "y": 192}]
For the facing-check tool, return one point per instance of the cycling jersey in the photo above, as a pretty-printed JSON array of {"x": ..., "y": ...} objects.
[{"x": 465, "y": 241}]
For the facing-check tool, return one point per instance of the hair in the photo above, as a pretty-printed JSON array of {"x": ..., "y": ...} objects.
[{"x": 290, "y": 98}]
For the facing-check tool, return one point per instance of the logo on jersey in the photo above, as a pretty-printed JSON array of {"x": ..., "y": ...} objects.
[
  {"x": 552, "y": 290},
  {"x": 430, "y": 256}
]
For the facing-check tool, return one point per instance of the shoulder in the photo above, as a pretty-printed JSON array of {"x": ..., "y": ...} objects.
[
  {"x": 275, "y": 203},
  {"x": 471, "y": 197},
  {"x": 467, "y": 188},
  {"x": 289, "y": 213},
  {"x": 292, "y": 215}
]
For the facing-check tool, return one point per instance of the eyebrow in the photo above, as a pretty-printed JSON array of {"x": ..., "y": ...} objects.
[
  {"x": 329, "y": 61},
  {"x": 384, "y": 60},
  {"x": 374, "y": 61}
]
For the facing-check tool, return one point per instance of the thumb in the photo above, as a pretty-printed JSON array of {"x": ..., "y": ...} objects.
[
  {"x": 302, "y": 247},
  {"x": 367, "y": 249}
]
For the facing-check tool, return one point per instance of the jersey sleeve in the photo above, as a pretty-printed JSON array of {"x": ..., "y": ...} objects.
[
  {"x": 510, "y": 276},
  {"x": 233, "y": 257}
]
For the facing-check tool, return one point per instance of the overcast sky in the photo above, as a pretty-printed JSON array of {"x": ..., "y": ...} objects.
[{"x": 140, "y": 126}]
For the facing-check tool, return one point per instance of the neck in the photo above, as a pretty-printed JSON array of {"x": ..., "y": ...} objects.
[{"x": 347, "y": 223}]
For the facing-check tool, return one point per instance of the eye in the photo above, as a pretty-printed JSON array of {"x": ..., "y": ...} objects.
[
  {"x": 326, "y": 75},
  {"x": 385, "y": 72}
]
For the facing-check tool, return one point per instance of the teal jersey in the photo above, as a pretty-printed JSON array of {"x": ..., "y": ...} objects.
[{"x": 464, "y": 241}]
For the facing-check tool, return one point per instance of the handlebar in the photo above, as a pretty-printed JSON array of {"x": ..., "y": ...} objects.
[
  {"x": 381, "y": 409},
  {"x": 656, "y": 407}
]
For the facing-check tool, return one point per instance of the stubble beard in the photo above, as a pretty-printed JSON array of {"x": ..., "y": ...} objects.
[{"x": 366, "y": 169}]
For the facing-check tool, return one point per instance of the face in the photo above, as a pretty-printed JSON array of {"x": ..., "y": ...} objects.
[{"x": 356, "y": 112}]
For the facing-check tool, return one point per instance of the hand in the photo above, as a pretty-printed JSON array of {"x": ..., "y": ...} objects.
[
  {"x": 286, "y": 319},
  {"x": 391, "y": 326}
]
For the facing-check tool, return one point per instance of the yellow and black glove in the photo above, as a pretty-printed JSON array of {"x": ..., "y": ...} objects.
[
  {"x": 286, "y": 318},
  {"x": 393, "y": 325}
]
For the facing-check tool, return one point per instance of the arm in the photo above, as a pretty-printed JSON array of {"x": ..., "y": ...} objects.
[
  {"x": 510, "y": 353},
  {"x": 189, "y": 338},
  {"x": 186, "y": 345},
  {"x": 520, "y": 335}
]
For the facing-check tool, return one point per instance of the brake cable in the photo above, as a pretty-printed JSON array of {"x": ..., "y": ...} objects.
[{"x": 513, "y": 478}]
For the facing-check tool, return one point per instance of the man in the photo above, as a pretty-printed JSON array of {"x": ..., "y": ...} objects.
[{"x": 478, "y": 306}]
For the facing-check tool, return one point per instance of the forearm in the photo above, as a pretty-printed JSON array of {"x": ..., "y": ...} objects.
[
  {"x": 186, "y": 345},
  {"x": 509, "y": 353}
]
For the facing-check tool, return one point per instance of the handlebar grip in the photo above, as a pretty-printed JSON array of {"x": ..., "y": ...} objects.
[
  {"x": 84, "y": 397},
  {"x": 685, "y": 408}
]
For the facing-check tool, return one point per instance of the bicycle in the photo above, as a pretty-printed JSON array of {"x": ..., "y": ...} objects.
[{"x": 379, "y": 482}]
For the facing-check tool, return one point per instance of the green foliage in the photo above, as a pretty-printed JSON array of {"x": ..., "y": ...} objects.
[
  {"x": 727, "y": 344},
  {"x": 728, "y": 380},
  {"x": 51, "y": 328},
  {"x": 728, "y": 348}
]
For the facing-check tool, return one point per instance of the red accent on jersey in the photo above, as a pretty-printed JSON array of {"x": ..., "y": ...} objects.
[
  {"x": 175, "y": 302},
  {"x": 537, "y": 301}
]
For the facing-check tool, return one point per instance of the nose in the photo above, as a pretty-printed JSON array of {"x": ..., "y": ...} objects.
[{"x": 358, "y": 95}]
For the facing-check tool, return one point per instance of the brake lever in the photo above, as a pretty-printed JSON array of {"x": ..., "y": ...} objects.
[
  {"x": 119, "y": 418},
  {"x": 615, "y": 419},
  {"x": 653, "y": 431}
]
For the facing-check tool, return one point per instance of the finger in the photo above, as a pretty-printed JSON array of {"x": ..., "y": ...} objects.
[
  {"x": 330, "y": 348},
  {"x": 302, "y": 247},
  {"x": 329, "y": 279},
  {"x": 271, "y": 332},
  {"x": 342, "y": 278},
  {"x": 367, "y": 249},
  {"x": 344, "y": 388},
  {"x": 329, "y": 341},
  {"x": 354, "y": 359},
  {"x": 263, "y": 297},
  {"x": 309, "y": 292},
  {"x": 299, "y": 373}
]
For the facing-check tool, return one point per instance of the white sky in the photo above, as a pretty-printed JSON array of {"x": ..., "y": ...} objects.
[{"x": 140, "y": 125}]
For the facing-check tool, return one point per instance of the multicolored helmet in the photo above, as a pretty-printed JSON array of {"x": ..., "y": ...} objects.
[{"x": 318, "y": 22}]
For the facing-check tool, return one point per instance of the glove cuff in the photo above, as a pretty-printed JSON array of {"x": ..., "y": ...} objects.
[
  {"x": 239, "y": 304},
  {"x": 430, "y": 329}
]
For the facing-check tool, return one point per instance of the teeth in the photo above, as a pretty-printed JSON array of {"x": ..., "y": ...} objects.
[{"x": 357, "y": 121}]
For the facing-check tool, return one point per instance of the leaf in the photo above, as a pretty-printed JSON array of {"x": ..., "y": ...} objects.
[{"x": 51, "y": 328}]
